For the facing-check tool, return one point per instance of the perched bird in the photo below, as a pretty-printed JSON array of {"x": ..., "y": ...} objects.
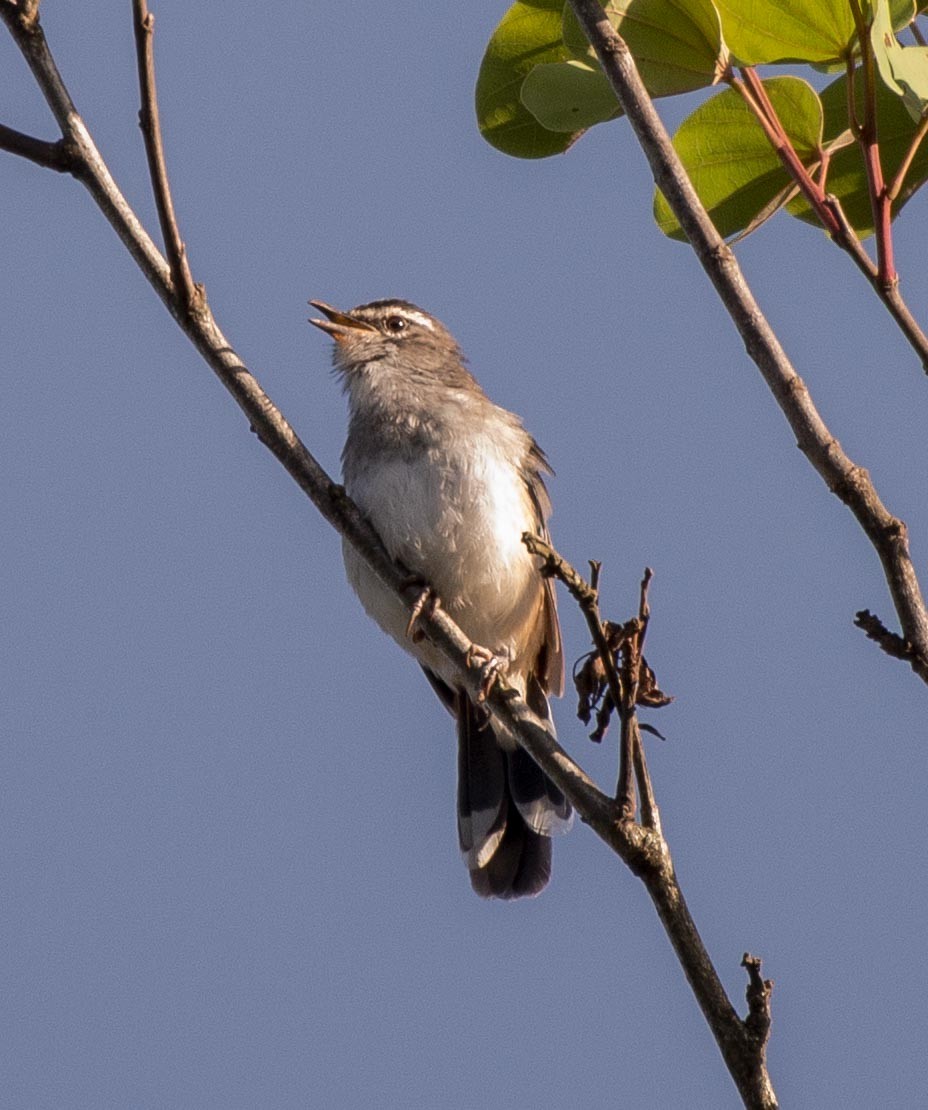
[{"x": 450, "y": 482}]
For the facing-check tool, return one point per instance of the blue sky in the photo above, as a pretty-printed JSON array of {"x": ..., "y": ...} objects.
[{"x": 229, "y": 862}]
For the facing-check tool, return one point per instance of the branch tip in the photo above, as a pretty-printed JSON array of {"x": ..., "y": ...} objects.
[
  {"x": 187, "y": 294},
  {"x": 894, "y": 645},
  {"x": 758, "y": 993},
  {"x": 59, "y": 156}
]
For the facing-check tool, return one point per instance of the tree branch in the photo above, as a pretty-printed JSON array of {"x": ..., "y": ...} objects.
[
  {"x": 892, "y": 644},
  {"x": 849, "y": 482},
  {"x": 880, "y": 201},
  {"x": 752, "y": 91},
  {"x": 895, "y": 186},
  {"x": 890, "y": 295},
  {"x": 643, "y": 847},
  {"x": 150, "y": 123},
  {"x": 827, "y": 209},
  {"x": 53, "y": 156}
]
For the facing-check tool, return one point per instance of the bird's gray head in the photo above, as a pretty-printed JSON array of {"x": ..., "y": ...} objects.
[{"x": 394, "y": 332}]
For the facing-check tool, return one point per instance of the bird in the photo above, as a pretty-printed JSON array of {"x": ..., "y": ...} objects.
[{"x": 450, "y": 481}]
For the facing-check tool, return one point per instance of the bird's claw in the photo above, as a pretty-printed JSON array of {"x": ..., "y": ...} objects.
[
  {"x": 492, "y": 668},
  {"x": 427, "y": 601}
]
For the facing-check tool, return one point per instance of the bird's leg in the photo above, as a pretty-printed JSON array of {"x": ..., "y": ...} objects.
[
  {"x": 427, "y": 601},
  {"x": 493, "y": 667}
]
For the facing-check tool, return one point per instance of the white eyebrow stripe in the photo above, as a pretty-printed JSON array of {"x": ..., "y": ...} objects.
[{"x": 420, "y": 318}]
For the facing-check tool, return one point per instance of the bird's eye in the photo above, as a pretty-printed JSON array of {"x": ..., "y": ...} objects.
[{"x": 395, "y": 325}]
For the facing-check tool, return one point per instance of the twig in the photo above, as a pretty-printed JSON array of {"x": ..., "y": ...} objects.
[
  {"x": 895, "y": 186},
  {"x": 650, "y": 814},
  {"x": 844, "y": 478},
  {"x": 587, "y": 597},
  {"x": 890, "y": 296},
  {"x": 867, "y": 138},
  {"x": 624, "y": 688},
  {"x": 631, "y": 752},
  {"x": 150, "y": 123},
  {"x": 877, "y": 631},
  {"x": 826, "y": 208},
  {"x": 53, "y": 156},
  {"x": 755, "y": 96},
  {"x": 625, "y": 787},
  {"x": 642, "y": 846},
  {"x": 758, "y": 997}
]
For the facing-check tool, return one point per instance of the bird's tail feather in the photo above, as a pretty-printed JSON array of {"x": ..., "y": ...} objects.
[{"x": 507, "y": 810}]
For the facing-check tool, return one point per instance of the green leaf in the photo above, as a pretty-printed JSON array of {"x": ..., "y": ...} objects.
[
  {"x": 902, "y": 12},
  {"x": 730, "y": 160},
  {"x": 528, "y": 35},
  {"x": 759, "y": 32},
  {"x": 677, "y": 44},
  {"x": 903, "y": 68},
  {"x": 847, "y": 178},
  {"x": 569, "y": 96}
]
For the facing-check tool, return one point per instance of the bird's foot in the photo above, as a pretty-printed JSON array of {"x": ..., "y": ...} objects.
[
  {"x": 427, "y": 601},
  {"x": 492, "y": 667}
]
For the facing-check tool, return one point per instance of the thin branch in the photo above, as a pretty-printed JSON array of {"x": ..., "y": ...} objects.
[
  {"x": 53, "y": 156},
  {"x": 632, "y": 753},
  {"x": 586, "y": 596},
  {"x": 609, "y": 639},
  {"x": 895, "y": 186},
  {"x": 889, "y": 295},
  {"x": 650, "y": 814},
  {"x": 850, "y": 70},
  {"x": 849, "y": 482},
  {"x": 755, "y": 95},
  {"x": 643, "y": 848},
  {"x": 150, "y": 123},
  {"x": 752, "y": 91},
  {"x": 892, "y": 644},
  {"x": 758, "y": 997},
  {"x": 867, "y": 138}
]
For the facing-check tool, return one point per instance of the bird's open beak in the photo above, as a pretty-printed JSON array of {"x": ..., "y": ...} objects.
[{"x": 339, "y": 324}]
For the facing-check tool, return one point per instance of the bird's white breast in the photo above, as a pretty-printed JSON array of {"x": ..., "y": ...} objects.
[{"x": 455, "y": 517}]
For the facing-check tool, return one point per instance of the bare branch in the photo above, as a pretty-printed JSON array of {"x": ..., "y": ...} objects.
[
  {"x": 744, "y": 1055},
  {"x": 895, "y": 186},
  {"x": 53, "y": 156},
  {"x": 827, "y": 209},
  {"x": 150, "y": 123},
  {"x": 650, "y": 814},
  {"x": 587, "y": 597},
  {"x": 890, "y": 643},
  {"x": 758, "y": 993},
  {"x": 848, "y": 481},
  {"x": 889, "y": 294}
]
